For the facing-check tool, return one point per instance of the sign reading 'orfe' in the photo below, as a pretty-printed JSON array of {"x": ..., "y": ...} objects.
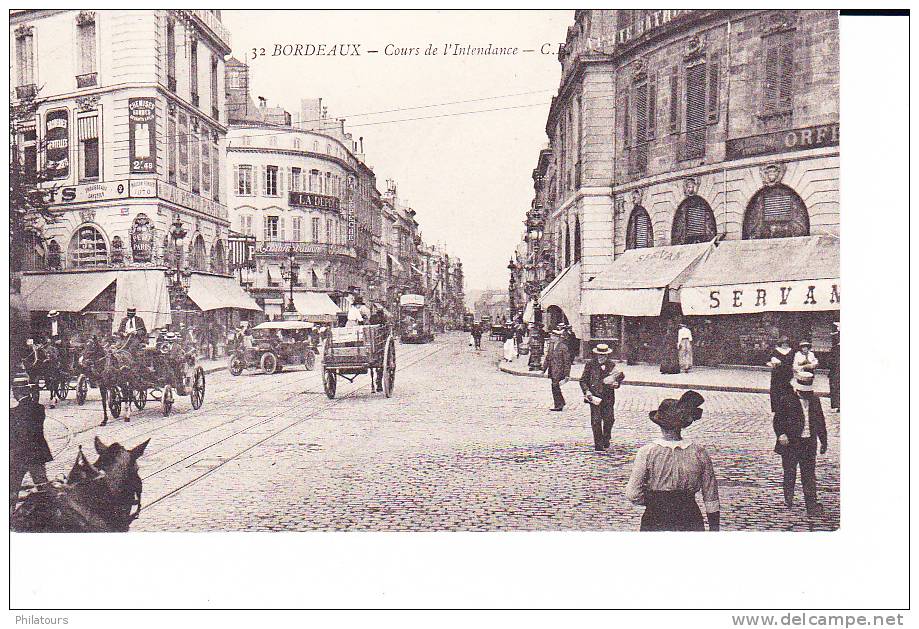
[
  {"x": 782, "y": 141},
  {"x": 310, "y": 199}
]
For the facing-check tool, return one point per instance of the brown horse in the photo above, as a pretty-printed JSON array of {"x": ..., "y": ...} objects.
[
  {"x": 97, "y": 497},
  {"x": 115, "y": 371}
]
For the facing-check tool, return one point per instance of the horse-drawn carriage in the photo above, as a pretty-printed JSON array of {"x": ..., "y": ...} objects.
[
  {"x": 51, "y": 367},
  {"x": 276, "y": 344},
  {"x": 130, "y": 373},
  {"x": 352, "y": 351}
]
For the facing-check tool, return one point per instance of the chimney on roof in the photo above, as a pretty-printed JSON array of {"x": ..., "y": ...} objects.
[{"x": 361, "y": 140}]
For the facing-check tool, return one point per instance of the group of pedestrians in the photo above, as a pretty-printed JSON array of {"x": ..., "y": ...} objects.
[{"x": 670, "y": 471}]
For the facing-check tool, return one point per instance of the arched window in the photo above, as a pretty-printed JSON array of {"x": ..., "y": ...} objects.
[
  {"x": 639, "y": 233},
  {"x": 36, "y": 253},
  {"x": 577, "y": 239},
  {"x": 218, "y": 258},
  {"x": 775, "y": 212},
  {"x": 87, "y": 248},
  {"x": 693, "y": 222},
  {"x": 567, "y": 245},
  {"x": 198, "y": 254}
]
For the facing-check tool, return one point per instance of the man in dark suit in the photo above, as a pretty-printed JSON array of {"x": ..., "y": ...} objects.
[
  {"x": 799, "y": 425},
  {"x": 599, "y": 383},
  {"x": 134, "y": 327},
  {"x": 29, "y": 450},
  {"x": 558, "y": 365}
]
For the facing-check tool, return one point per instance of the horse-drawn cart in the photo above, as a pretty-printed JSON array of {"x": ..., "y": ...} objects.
[
  {"x": 350, "y": 352},
  {"x": 160, "y": 374}
]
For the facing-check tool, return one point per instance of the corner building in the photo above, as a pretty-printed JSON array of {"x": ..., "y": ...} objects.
[
  {"x": 131, "y": 127},
  {"x": 723, "y": 153}
]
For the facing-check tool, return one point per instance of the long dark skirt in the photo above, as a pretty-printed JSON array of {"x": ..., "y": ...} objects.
[{"x": 671, "y": 511}]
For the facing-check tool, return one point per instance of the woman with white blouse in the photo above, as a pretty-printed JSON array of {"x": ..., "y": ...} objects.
[{"x": 670, "y": 471}]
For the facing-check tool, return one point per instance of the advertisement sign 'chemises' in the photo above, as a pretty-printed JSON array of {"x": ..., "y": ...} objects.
[{"x": 142, "y": 130}]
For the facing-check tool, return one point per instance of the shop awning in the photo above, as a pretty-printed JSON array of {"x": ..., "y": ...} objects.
[
  {"x": 397, "y": 267},
  {"x": 770, "y": 275},
  {"x": 66, "y": 292},
  {"x": 636, "y": 283},
  {"x": 274, "y": 273},
  {"x": 211, "y": 292},
  {"x": 564, "y": 292},
  {"x": 145, "y": 290},
  {"x": 314, "y": 306}
]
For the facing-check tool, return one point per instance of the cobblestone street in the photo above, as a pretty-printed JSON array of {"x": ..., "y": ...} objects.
[{"x": 459, "y": 446}]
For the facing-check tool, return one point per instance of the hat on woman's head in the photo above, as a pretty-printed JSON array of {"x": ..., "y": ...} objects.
[{"x": 678, "y": 413}]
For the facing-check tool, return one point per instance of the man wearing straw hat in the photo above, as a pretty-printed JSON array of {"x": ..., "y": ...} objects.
[
  {"x": 799, "y": 425},
  {"x": 599, "y": 383}
]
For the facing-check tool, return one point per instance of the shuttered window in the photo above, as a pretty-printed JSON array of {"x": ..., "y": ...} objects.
[
  {"x": 641, "y": 113},
  {"x": 205, "y": 162},
  {"x": 695, "y": 111},
  {"x": 693, "y": 222},
  {"x": 88, "y": 135},
  {"x": 626, "y": 123},
  {"x": 25, "y": 59},
  {"x": 86, "y": 34},
  {"x": 778, "y": 72},
  {"x": 652, "y": 109},
  {"x": 172, "y": 146},
  {"x": 639, "y": 233},
  {"x": 194, "y": 160},
  {"x": 696, "y": 220}
]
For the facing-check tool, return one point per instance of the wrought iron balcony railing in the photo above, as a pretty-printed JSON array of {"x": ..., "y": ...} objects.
[{"x": 87, "y": 80}]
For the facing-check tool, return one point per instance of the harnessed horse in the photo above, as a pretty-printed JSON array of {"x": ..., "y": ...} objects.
[
  {"x": 96, "y": 497},
  {"x": 45, "y": 362}
]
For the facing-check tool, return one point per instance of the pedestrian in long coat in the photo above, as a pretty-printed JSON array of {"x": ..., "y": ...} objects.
[
  {"x": 29, "y": 451},
  {"x": 670, "y": 471},
  {"x": 799, "y": 426},
  {"x": 558, "y": 366},
  {"x": 781, "y": 361},
  {"x": 599, "y": 383}
]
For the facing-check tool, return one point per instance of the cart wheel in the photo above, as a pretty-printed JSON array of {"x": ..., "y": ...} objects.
[
  {"x": 269, "y": 363},
  {"x": 140, "y": 399},
  {"x": 197, "y": 389},
  {"x": 167, "y": 400},
  {"x": 328, "y": 383},
  {"x": 236, "y": 367},
  {"x": 389, "y": 368},
  {"x": 309, "y": 360},
  {"x": 114, "y": 401},
  {"x": 82, "y": 389}
]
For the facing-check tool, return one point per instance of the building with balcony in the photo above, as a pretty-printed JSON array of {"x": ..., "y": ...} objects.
[
  {"x": 303, "y": 192},
  {"x": 694, "y": 175},
  {"x": 129, "y": 132}
]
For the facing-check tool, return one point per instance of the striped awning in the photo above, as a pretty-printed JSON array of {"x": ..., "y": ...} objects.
[{"x": 87, "y": 128}]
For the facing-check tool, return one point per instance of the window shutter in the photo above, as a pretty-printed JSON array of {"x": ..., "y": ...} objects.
[
  {"x": 265, "y": 180},
  {"x": 695, "y": 112},
  {"x": 642, "y": 231},
  {"x": 771, "y": 77},
  {"x": 696, "y": 220},
  {"x": 289, "y": 180},
  {"x": 713, "y": 67},
  {"x": 652, "y": 106},
  {"x": 626, "y": 126},
  {"x": 641, "y": 114},
  {"x": 265, "y": 233},
  {"x": 236, "y": 179},
  {"x": 281, "y": 229},
  {"x": 786, "y": 76},
  {"x": 674, "y": 99}
]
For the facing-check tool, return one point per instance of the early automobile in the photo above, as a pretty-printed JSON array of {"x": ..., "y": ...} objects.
[{"x": 274, "y": 345}]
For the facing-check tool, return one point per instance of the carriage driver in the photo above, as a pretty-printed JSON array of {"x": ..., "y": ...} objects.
[{"x": 134, "y": 328}]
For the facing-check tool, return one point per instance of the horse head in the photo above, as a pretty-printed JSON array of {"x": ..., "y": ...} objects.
[{"x": 118, "y": 468}]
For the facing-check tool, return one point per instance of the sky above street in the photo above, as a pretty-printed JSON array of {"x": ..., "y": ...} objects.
[{"x": 465, "y": 167}]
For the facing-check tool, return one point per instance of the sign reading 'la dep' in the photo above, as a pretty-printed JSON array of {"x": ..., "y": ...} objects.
[{"x": 795, "y": 296}]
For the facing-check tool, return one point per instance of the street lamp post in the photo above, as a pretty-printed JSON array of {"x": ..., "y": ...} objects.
[
  {"x": 178, "y": 276},
  {"x": 290, "y": 274}
]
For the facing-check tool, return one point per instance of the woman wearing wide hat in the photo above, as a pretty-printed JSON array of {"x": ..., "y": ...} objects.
[{"x": 670, "y": 471}]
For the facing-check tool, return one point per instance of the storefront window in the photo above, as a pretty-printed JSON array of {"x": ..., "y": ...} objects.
[
  {"x": 639, "y": 233},
  {"x": 775, "y": 212},
  {"x": 693, "y": 222},
  {"x": 87, "y": 248}
]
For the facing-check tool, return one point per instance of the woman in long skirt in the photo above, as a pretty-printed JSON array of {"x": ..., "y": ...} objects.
[{"x": 670, "y": 471}]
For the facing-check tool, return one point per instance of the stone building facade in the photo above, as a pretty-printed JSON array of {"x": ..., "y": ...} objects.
[{"x": 675, "y": 127}]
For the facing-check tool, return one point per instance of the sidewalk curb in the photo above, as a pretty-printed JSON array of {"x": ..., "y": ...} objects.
[{"x": 662, "y": 385}]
